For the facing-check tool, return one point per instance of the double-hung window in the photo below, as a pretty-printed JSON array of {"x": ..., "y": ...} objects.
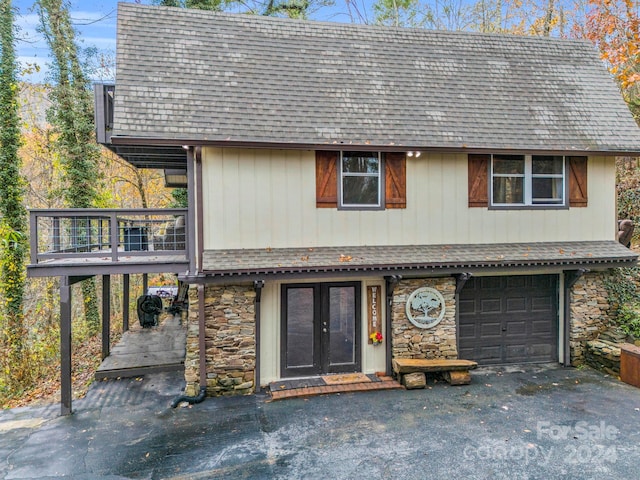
[
  {"x": 361, "y": 180},
  {"x": 528, "y": 180}
]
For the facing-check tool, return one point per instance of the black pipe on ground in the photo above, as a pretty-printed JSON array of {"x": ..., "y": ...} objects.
[{"x": 190, "y": 400}]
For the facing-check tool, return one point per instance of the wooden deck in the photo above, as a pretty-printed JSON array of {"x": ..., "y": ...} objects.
[
  {"x": 86, "y": 242},
  {"x": 147, "y": 350}
]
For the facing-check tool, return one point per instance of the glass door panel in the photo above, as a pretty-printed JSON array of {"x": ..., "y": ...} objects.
[
  {"x": 342, "y": 321},
  {"x": 301, "y": 353}
]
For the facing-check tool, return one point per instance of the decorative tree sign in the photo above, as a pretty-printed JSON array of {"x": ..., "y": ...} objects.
[{"x": 425, "y": 307}]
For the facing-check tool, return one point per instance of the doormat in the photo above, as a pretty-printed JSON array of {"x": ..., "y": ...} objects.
[
  {"x": 341, "y": 379},
  {"x": 298, "y": 383}
]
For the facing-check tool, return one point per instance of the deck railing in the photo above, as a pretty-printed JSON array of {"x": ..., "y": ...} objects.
[{"x": 67, "y": 234}]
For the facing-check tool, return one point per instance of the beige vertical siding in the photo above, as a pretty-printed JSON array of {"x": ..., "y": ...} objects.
[
  {"x": 266, "y": 198},
  {"x": 372, "y": 357}
]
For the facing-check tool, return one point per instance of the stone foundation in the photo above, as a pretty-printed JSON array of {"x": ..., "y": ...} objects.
[
  {"x": 590, "y": 313},
  {"x": 409, "y": 341},
  {"x": 230, "y": 340}
]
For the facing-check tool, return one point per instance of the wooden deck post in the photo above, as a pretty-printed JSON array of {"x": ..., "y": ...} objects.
[
  {"x": 106, "y": 315},
  {"x": 125, "y": 302},
  {"x": 65, "y": 346},
  {"x": 145, "y": 283}
]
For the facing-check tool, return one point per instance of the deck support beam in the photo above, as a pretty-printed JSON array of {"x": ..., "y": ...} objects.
[
  {"x": 106, "y": 315},
  {"x": 125, "y": 302},
  {"x": 65, "y": 346}
]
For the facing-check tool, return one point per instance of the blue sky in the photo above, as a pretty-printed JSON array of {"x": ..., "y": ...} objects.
[{"x": 95, "y": 21}]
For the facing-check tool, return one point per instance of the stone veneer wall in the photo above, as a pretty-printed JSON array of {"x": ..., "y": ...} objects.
[
  {"x": 409, "y": 341},
  {"x": 230, "y": 340},
  {"x": 589, "y": 313}
]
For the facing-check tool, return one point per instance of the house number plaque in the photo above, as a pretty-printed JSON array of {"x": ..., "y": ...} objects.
[{"x": 425, "y": 307}]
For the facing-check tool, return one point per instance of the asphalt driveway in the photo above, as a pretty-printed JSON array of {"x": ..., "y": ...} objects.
[{"x": 517, "y": 423}]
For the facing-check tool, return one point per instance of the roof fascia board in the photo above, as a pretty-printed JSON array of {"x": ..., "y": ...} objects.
[
  {"x": 376, "y": 271},
  {"x": 142, "y": 141}
]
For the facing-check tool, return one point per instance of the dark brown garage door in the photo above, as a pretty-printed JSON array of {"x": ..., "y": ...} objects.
[{"x": 509, "y": 319}]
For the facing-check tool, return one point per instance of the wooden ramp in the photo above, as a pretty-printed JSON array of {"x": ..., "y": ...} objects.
[{"x": 147, "y": 350}]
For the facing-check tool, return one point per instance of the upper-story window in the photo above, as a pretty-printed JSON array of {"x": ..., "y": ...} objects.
[
  {"x": 360, "y": 180},
  {"x": 528, "y": 180},
  {"x": 352, "y": 180}
]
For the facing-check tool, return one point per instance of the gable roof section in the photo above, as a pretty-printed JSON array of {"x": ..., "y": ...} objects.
[{"x": 196, "y": 76}]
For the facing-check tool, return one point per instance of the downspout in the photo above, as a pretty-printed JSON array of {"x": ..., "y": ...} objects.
[
  {"x": 203, "y": 361},
  {"x": 200, "y": 211},
  {"x": 258, "y": 285},
  {"x": 191, "y": 213},
  {"x": 461, "y": 280},
  {"x": 390, "y": 285},
  {"x": 570, "y": 279}
]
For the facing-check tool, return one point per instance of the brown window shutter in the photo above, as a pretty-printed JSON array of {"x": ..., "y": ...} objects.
[
  {"x": 395, "y": 171},
  {"x": 478, "y": 183},
  {"x": 577, "y": 181},
  {"x": 326, "y": 179}
]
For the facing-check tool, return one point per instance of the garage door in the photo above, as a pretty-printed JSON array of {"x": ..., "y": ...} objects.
[{"x": 509, "y": 319}]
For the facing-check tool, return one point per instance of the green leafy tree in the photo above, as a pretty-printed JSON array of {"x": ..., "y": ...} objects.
[
  {"x": 180, "y": 198},
  {"x": 397, "y": 13},
  {"x": 216, "y": 5},
  {"x": 13, "y": 225},
  {"x": 275, "y": 8},
  {"x": 71, "y": 115}
]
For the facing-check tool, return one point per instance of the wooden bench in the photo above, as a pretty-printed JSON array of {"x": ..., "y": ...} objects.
[{"x": 456, "y": 372}]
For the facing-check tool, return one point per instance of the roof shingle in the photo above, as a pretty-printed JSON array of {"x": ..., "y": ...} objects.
[
  {"x": 204, "y": 76},
  {"x": 569, "y": 255}
]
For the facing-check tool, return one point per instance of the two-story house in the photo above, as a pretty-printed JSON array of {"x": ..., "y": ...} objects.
[{"x": 453, "y": 192}]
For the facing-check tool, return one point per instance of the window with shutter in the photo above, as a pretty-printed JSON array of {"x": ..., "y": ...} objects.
[
  {"x": 527, "y": 181},
  {"x": 360, "y": 180}
]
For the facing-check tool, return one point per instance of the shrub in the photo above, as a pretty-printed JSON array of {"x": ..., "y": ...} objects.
[{"x": 629, "y": 319}]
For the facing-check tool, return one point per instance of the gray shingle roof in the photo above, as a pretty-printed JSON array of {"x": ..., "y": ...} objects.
[
  {"x": 204, "y": 76},
  {"x": 436, "y": 258}
]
